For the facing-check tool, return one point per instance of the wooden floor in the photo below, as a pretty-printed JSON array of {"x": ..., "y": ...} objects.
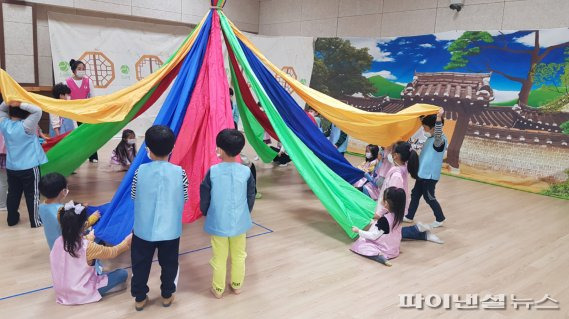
[{"x": 498, "y": 241}]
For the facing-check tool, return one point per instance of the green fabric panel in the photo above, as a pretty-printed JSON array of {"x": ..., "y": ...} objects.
[
  {"x": 348, "y": 206},
  {"x": 253, "y": 130},
  {"x": 73, "y": 150}
]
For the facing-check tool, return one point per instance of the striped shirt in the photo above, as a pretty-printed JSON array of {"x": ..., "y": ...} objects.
[
  {"x": 185, "y": 183},
  {"x": 439, "y": 141}
]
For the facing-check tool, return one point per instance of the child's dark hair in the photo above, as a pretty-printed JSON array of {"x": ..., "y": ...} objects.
[
  {"x": 18, "y": 113},
  {"x": 74, "y": 64},
  {"x": 71, "y": 228},
  {"x": 160, "y": 140},
  {"x": 52, "y": 184},
  {"x": 230, "y": 92},
  {"x": 122, "y": 150},
  {"x": 374, "y": 150},
  {"x": 396, "y": 199},
  {"x": 430, "y": 120},
  {"x": 409, "y": 156},
  {"x": 230, "y": 141},
  {"x": 60, "y": 89}
]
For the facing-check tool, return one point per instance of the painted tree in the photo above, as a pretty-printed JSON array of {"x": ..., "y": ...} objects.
[
  {"x": 472, "y": 43},
  {"x": 338, "y": 68},
  {"x": 555, "y": 77}
]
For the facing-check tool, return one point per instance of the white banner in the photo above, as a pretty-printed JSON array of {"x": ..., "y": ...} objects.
[
  {"x": 118, "y": 53},
  {"x": 122, "y": 52},
  {"x": 294, "y": 55}
]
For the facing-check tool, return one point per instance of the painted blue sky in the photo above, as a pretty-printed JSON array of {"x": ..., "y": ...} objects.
[{"x": 398, "y": 58}]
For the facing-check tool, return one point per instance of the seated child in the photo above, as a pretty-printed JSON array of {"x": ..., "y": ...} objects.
[
  {"x": 159, "y": 191},
  {"x": 53, "y": 187},
  {"x": 381, "y": 242},
  {"x": 316, "y": 117},
  {"x": 125, "y": 152},
  {"x": 72, "y": 259},
  {"x": 373, "y": 186},
  {"x": 282, "y": 158},
  {"x": 227, "y": 196},
  {"x": 372, "y": 158}
]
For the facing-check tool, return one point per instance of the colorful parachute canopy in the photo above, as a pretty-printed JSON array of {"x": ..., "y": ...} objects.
[{"x": 198, "y": 107}]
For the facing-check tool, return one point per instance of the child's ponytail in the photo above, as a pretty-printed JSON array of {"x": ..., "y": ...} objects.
[
  {"x": 72, "y": 219},
  {"x": 413, "y": 164},
  {"x": 396, "y": 199},
  {"x": 408, "y": 156}
]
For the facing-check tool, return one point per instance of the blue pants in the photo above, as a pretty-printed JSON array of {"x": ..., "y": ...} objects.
[
  {"x": 116, "y": 278},
  {"x": 141, "y": 254},
  {"x": 412, "y": 232},
  {"x": 426, "y": 189}
]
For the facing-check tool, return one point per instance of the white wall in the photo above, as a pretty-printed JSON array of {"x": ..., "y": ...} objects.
[
  {"x": 18, "y": 24},
  {"x": 244, "y": 13},
  {"x": 385, "y": 18}
]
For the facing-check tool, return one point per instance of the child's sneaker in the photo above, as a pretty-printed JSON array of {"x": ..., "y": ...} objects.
[
  {"x": 258, "y": 196},
  {"x": 236, "y": 291},
  {"x": 382, "y": 260},
  {"x": 407, "y": 220},
  {"x": 283, "y": 165},
  {"x": 167, "y": 302},
  {"x": 139, "y": 305},
  {"x": 436, "y": 224},
  {"x": 422, "y": 227},
  {"x": 216, "y": 294}
]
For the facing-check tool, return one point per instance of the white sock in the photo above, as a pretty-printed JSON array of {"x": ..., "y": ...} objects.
[
  {"x": 434, "y": 238},
  {"x": 436, "y": 224},
  {"x": 422, "y": 227}
]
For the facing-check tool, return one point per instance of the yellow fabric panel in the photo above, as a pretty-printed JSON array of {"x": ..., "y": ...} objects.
[
  {"x": 371, "y": 127},
  {"x": 107, "y": 108}
]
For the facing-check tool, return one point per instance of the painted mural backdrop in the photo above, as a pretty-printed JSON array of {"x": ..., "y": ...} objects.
[{"x": 506, "y": 96}]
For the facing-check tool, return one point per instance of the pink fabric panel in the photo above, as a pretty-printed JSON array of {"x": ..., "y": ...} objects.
[{"x": 208, "y": 113}]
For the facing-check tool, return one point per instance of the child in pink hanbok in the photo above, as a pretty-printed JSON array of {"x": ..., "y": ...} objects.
[
  {"x": 72, "y": 260},
  {"x": 123, "y": 155},
  {"x": 368, "y": 167},
  {"x": 404, "y": 161},
  {"x": 374, "y": 181},
  {"x": 381, "y": 242}
]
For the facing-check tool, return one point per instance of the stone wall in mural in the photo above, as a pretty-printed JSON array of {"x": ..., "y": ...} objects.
[{"x": 506, "y": 96}]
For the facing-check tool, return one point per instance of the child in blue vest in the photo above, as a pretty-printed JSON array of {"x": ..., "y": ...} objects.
[
  {"x": 430, "y": 165},
  {"x": 53, "y": 187},
  {"x": 227, "y": 196},
  {"x": 159, "y": 191},
  {"x": 59, "y": 125},
  {"x": 339, "y": 138},
  {"x": 24, "y": 155},
  {"x": 234, "y": 110}
]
